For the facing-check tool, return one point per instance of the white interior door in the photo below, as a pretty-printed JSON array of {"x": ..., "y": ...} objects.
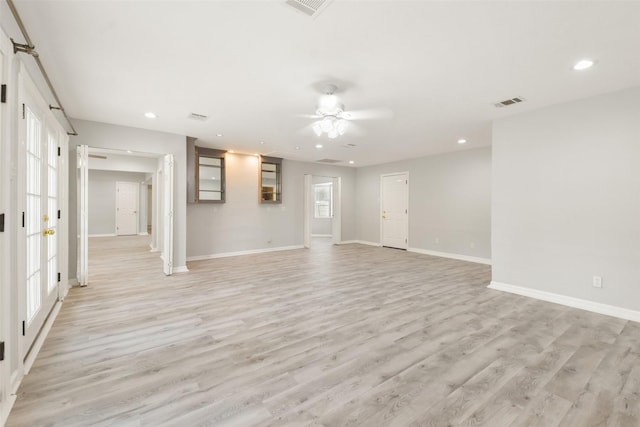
[
  {"x": 83, "y": 215},
  {"x": 167, "y": 212},
  {"x": 39, "y": 214},
  {"x": 395, "y": 210},
  {"x": 4, "y": 247},
  {"x": 127, "y": 200}
]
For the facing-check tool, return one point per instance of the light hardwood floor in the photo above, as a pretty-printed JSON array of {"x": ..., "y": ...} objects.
[{"x": 333, "y": 336}]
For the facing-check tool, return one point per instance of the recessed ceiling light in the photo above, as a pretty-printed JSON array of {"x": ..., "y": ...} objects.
[
  {"x": 150, "y": 115},
  {"x": 231, "y": 151},
  {"x": 129, "y": 151},
  {"x": 219, "y": 134},
  {"x": 462, "y": 141},
  {"x": 351, "y": 162},
  {"x": 318, "y": 145},
  {"x": 297, "y": 148},
  {"x": 261, "y": 142},
  {"x": 583, "y": 64}
]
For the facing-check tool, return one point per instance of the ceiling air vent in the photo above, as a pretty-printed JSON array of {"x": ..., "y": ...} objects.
[
  {"x": 308, "y": 7},
  {"x": 196, "y": 116},
  {"x": 508, "y": 102},
  {"x": 328, "y": 161}
]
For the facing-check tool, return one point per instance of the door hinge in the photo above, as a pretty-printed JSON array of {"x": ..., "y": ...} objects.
[
  {"x": 22, "y": 219},
  {"x": 59, "y": 214},
  {"x": 406, "y": 181},
  {"x": 58, "y": 277},
  {"x": 58, "y": 151},
  {"x": 23, "y": 113},
  {"x": 3, "y": 94},
  {"x": 24, "y": 328},
  {"x": 406, "y": 240},
  {"x": 2, "y": 223},
  {"x": 1, "y": 347}
]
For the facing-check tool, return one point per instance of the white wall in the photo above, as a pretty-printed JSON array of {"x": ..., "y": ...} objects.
[
  {"x": 104, "y": 135},
  {"x": 243, "y": 224},
  {"x": 102, "y": 199},
  {"x": 566, "y": 199},
  {"x": 449, "y": 202}
]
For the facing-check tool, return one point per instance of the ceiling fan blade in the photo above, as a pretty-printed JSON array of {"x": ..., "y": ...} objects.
[
  {"x": 309, "y": 116},
  {"x": 371, "y": 114}
]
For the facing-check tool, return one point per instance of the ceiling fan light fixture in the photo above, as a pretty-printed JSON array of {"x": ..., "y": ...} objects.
[
  {"x": 329, "y": 105},
  {"x": 341, "y": 126},
  {"x": 332, "y": 134},
  {"x": 317, "y": 129},
  {"x": 326, "y": 124}
]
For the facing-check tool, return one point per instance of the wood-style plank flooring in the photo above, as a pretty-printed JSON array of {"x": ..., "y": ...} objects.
[{"x": 332, "y": 336}]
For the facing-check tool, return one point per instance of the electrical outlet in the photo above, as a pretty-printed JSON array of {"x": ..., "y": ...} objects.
[{"x": 597, "y": 281}]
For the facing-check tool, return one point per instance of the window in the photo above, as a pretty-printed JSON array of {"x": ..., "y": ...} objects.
[
  {"x": 270, "y": 186},
  {"x": 323, "y": 200}
]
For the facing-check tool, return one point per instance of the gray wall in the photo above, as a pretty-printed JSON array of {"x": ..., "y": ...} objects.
[
  {"x": 566, "y": 199},
  {"x": 243, "y": 224},
  {"x": 102, "y": 200},
  {"x": 104, "y": 135},
  {"x": 321, "y": 226},
  {"x": 449, "y": 202}
]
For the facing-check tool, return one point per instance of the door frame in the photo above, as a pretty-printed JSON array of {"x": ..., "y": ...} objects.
[
  {"x": 382, "y": 176},
  {"x": 336, "y": 223},
  {"x": 162, "y": 191}
]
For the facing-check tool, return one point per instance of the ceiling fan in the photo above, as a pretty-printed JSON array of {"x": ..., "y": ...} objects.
[{"x": 332, "y": 117}]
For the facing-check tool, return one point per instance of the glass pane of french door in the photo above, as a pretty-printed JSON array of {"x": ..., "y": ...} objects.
[{"x": 33, "y": 211}]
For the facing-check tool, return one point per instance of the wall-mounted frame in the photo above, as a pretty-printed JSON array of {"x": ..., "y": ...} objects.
[
  {"x": 270, "y": 180},
  {"x": 205, "y": 174}
]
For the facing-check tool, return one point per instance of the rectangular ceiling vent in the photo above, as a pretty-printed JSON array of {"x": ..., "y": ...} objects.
[
  {"x": 508, "y": 102},
  {"x": 328, "y": 161},
  {"x": 308, "y": 7},
  {"x": 348, "y": 145},
  {"x": 196, "y": 116}
]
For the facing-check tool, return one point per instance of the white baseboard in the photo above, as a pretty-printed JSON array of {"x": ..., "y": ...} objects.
[
  {"x": 103, "y": 235},
  {"x": 181, "y": 269},
  {"x": 596, "y": 307},
  {"x": 249, "y": 252},
  {"x": 144, "y": 233},
  {"x": 477, "y": 260},
  {"x": 362, "y": 242},
  {"x": 5, "y": 409},
  {"x": 322, "y": 235}
]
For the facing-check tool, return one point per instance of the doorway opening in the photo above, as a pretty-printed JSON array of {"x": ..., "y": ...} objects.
[
  {"x": 323, "y": 205},
  {"x": 122, "y": 193}
]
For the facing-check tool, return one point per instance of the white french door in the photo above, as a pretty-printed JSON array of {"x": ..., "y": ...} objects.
[
  {"x": 395, "y": 210},
  {"x": 167, "y": 214},
  {"x": 39, "y": 141}
]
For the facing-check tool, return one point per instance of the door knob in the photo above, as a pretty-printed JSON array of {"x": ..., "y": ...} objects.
[{"x": 48, "y": 232}]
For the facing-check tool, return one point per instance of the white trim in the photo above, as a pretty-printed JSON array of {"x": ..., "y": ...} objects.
[
  {"x": 72, "y": 282},
  {"x": 322, "y": 235},
  {"x": 468, "y": 258},
  {"x": 103, "y": 235},
  {"x": 181, "y": 269},
  {"x": 144, "y": 233},
  {"x": 37, "y": 344},
  {"x": 238, "y": 253},
  {"x": 596, "y": 307},
  {"x": 10, "y": 399}
]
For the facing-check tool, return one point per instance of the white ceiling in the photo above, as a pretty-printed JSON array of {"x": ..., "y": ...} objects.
[{"x": 253, "y": 66}]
